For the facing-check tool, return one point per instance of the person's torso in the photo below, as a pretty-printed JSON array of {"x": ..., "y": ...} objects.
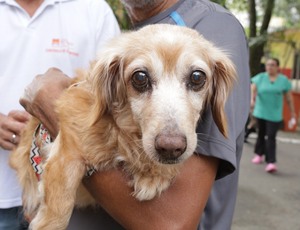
[
  {"x": 269, "y": 99},
  {"x": 62, "y": 33}
]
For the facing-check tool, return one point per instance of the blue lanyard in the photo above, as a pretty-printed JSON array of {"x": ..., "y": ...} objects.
[{"x": 177, "y": 18}]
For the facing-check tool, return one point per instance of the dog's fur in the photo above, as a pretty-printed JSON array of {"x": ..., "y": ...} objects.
[{"x": 139, "y": 104}]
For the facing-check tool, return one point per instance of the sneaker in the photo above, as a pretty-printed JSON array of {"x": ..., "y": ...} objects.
[
  {"x": 270, "y": 168},
  {"x": 257, "y": 159}
]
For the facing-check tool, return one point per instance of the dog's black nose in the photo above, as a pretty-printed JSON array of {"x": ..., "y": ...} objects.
[{"x": 170, "y": 147}]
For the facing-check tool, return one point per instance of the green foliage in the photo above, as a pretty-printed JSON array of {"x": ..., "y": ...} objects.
[
  {"x": 258, "y": 31},
  {"x": 290, "y": 11},
  {"x": 121, "y": 14},
  {"x": 221, "y": 2},
  {"x": 239, "y": 5}
]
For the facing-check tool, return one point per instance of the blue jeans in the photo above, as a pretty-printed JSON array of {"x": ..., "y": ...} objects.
[{"x": 12, "y": 219}]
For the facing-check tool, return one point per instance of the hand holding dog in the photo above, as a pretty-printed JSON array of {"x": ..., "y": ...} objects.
[{"x": 45, "y": 87}]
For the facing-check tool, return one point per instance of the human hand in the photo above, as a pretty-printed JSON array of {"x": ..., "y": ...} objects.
[
  {"x": 11, "y": 126},
  {"x": 40, "y": 96},
  {"x": 292, "y": 122}
]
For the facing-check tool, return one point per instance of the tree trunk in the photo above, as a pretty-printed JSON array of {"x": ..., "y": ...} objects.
[
  {"x": 267, "y": 16},
  {"x": 256, "y": 54},
  {"x": 257, "y": 50},
  {"x": 252, "y": 18}
]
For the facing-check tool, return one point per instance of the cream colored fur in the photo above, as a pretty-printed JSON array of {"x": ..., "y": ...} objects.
[{"x": 139, "y": 104}]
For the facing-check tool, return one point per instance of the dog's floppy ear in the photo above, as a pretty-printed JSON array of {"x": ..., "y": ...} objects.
[
  {"x": 224, "y": 77},
  {"x": 107, "y": 84}
]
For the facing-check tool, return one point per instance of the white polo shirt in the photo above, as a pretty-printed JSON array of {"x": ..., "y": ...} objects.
[{"x": 63, "y": 33}]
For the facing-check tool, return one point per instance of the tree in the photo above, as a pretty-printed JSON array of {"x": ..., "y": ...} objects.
[
  {"x": 257, "y": 46},
  {"x": 260, "y": 13},
  {"x": 121, "y": 14},
  {"x": 290, "y": 10}
]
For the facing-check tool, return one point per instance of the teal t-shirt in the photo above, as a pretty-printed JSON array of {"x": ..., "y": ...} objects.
[{"x": 269, "y": 98}]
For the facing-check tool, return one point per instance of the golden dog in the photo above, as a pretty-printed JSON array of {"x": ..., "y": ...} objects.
[{"x": 139, "y": 104}]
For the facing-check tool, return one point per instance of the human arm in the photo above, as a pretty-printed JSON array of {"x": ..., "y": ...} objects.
[
  {"x": 179, "y": 207},
  {"x": 39, "y": 97},
  {"x": 12, "y": 124},
  {"x": 253, "y": 95},
  {"x": 290, "y": 102},
  {"x": 289, "y": 98}
]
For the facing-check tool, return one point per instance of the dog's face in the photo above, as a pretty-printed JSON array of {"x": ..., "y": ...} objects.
[{"x": 166, "y": 75}]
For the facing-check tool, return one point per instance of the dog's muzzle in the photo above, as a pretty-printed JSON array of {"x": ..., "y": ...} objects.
[{"x": 170, "y": 147}]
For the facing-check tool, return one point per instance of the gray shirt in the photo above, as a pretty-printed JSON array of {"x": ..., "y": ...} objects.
[{"x": 222, "y": 28}]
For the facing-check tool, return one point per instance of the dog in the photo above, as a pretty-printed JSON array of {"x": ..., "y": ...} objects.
[{"x": 138, "y": 106}]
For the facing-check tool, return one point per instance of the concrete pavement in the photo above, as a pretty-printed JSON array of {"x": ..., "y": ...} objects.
[{"x": 270, "y": 201}]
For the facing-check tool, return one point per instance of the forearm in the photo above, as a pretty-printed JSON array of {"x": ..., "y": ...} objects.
[
  {"x": 290, "y": 103},
  {"x": 180, "y": 207},
  {"x": 253, "y": 95},
  {"x": 49, "y": 120}
]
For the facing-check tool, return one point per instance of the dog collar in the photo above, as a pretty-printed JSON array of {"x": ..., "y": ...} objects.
[{"x": 41, "y": 137}]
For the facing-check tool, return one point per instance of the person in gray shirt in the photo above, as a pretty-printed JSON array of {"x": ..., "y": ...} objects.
[{"x": 216, "y": 160}]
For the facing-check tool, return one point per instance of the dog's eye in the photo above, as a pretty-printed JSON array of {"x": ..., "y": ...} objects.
[
  {"x": 197, "y": 80},
  {"x": 140, "y": 81}
]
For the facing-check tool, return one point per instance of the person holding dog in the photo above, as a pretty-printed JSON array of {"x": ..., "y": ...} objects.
[
  {"x": 207, "y": 184},
  {"x": 37, "y": 35}
]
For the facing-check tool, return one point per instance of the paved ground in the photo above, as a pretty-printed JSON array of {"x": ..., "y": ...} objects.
[{"x": 270, "y": 201}]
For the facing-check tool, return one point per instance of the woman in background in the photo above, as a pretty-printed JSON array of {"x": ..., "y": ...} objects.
[{"x": 267, "y": 92}]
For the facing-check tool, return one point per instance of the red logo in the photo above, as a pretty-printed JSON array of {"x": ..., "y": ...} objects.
[
  {"x": 55, "y": 41},
  {"x": 61, "y": 45}
]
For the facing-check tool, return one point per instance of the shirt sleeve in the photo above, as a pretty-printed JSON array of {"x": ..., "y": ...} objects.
[
  {"x": 255, "y": 80},
  {"x": 225, "y": 32}
]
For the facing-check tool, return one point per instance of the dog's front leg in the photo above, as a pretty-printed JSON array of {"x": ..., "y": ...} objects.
[
  {"x": 61, "y": 177},
  {"x": 153, "y": 183}
]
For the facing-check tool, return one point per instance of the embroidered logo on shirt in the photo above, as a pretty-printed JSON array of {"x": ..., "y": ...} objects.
[{"x": 61, "y": 45}]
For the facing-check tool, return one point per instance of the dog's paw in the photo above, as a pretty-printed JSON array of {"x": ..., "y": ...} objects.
[
  {"x": 48, "y": 224},
  {"x": 33, "y": 225},
  {"x": 37, "y": 223},
  {"x": 146, "y": 188}
]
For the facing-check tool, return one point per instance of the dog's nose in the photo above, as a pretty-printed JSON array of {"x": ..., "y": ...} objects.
[{"x": 170, "y": 147}]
